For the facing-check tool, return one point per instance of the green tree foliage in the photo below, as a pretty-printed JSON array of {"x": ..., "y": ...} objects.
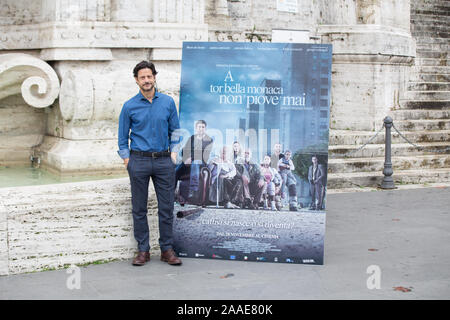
[{"x": 302, "y": 158}]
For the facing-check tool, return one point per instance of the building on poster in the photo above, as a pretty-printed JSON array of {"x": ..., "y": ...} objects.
[{"x": 253, "y": 151}]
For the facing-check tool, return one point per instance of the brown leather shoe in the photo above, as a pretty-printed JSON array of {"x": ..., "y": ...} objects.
[
  {"x": 170, "y": 257},
  {"x": 141, "y": 258}
]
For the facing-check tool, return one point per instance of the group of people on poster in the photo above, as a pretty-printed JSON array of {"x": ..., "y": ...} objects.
[{"x": 232, "y": 179}]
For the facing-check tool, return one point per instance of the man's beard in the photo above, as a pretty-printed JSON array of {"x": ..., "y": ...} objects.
[{"x": 152, "y": 86}]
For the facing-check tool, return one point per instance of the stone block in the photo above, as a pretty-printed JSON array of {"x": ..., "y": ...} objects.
[
  {"x": 100, "y": 34},
  {"x": 76, "y": 54},
  {"x": 72, "y": 223},
  {"x": 80, "y": 156},
  {"x": 166, "y": 54}
]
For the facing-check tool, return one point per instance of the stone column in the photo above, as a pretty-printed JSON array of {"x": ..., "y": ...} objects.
[
  {"x": 372, "y": 52},
  {"x": 82, "y": 132}
]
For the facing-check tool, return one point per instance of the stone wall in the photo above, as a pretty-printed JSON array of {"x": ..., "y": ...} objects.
[
  {"x": 93, "y": 46},
  {"x": 73, "y": 223},
  {"x": 18, "y": 137},
  {"x": 372, "y": 48},
  {"x": 252, "y": 20}
]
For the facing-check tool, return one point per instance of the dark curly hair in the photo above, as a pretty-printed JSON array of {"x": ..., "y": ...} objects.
[{"x": 143, "y": 65}]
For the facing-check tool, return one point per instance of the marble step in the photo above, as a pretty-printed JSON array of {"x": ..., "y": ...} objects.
[
  {"x": 441, "y": 47},
  {"x": 348, "y": 137},
  {"x": 430, "y": 5},
  {"x": 418, "y": 17},
  {"x": 430, "y": 77},
  {"x": 422, "y": 125},
  {"x": 427, "y": 39},
  {"x": 433, "y": 6},
  {"x": 428, "y": 95},
  {"x": 348, "y": 165},
  {"x": 429, "y": 86},
  {"x": 374, "y": 179},
  {"x": 419, "y": 114},
  {"x": 397, "y": 149},
  {"x": 435, "y": 11},
  {"x": 433, "y": 62},
  {"x": 427, "y": 23},
  {"x": 430, "y": 33},
  {"x": 445, "y": 70},
  {"x": 429, "y": 27},
  {"x": 431, "y": 54},
  {"x": 441, "y": 31},
  {"x": 425, "y": 104}
]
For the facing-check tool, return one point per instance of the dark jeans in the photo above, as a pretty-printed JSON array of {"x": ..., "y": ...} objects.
[
  {"x": 228, "y": 188},
  {"x": 316, "y": 195},
  {"x": 162, "y": 172},
  {"x": 256, "y": 191}
]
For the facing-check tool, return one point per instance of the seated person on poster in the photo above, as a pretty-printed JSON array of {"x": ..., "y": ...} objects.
[
  {"x": 222, "y": 190},
  {"x": 276, "y": 155},
  {"x": 285, "y": 167},
  {"x": 315, "y": 177},
  {"x": 253, "y": 181},
  {"x": 195, "y": 155},
  {"x": 237, "y": 153},
  {"x": 272, "y": 182}
]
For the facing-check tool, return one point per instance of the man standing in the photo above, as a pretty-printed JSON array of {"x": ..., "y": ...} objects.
[
  {"x": 149, "y": 120},
  {"x": 315, "y": 176},
  {"x": 286, "y": 166}
]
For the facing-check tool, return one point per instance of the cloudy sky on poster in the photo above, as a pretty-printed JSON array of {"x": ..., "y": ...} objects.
[{"x": 221, "y": 81}]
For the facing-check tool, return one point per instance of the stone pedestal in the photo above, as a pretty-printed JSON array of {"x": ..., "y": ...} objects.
[{"x": 93, "y": 47}]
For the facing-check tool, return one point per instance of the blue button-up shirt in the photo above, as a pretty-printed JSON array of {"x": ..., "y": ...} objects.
[{"x": 151, "y": 124}]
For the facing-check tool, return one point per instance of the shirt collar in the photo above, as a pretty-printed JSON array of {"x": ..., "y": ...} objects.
[{"x": 141, "y": 96}]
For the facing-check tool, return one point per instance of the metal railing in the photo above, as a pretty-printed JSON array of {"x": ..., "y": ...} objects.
[
  {"x": 388, "y": 123},
  {"x": 388, "y": 181}
]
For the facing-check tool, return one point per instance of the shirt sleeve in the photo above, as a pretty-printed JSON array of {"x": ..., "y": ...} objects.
[
  {"x": 174, "y": 128},
  {"x": 124, "y": 133}
]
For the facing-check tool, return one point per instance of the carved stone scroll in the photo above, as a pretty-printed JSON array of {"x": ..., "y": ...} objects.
[{"x": 33, "y": 77}]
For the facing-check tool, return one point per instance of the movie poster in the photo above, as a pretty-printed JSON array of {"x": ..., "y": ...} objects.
[{"x": 251, "y": 180}]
